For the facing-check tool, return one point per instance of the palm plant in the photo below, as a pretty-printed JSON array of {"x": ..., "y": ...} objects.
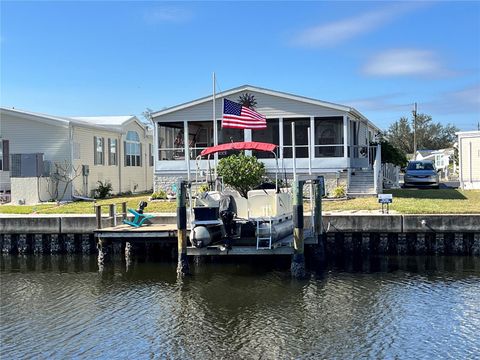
[{"x": 248, "y": 100}]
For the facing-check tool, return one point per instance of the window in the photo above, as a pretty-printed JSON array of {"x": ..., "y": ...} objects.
[
  {"x": 328, "y": 137},
  {"x": 227, "y": 135},
  {"x": 112, "y": 152},
  {"x": 98, "y": 148},
  {"x": 133, "y": 149},
  {"x": 4, "y": 155},
  {"x": 301, "y": 137},
  {"x": 170, "y": 141},
  {"x": 269, "y": 135},
  {"x": 150, "y": 154},
  {"x": 200, "y": 134}
]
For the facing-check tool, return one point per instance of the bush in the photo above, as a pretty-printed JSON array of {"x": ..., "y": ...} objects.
[
  {"x": 241, "y": 172},
  {"x": 103, "y": 189},
  {"x": 160, "y": 194},
  {"x": 339, "y": 192}
]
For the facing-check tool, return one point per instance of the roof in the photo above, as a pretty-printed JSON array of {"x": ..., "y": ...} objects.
[
  {"x": 104, "y": 120},
  {"x": 110, "y": 123},
  {"x": 473, "y": 133},
  {"x": 308, "y": 100}
]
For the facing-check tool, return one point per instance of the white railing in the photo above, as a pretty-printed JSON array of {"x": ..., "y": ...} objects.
[
  {"x": 377, "y": 170},
  {"x": 391, "y": 176}
]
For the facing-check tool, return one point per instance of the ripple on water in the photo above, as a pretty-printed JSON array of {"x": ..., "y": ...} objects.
[{"x": 232, "y": 311}]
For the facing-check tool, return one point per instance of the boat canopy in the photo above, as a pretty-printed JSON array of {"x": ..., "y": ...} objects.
[{"x": 244, "y": 145}]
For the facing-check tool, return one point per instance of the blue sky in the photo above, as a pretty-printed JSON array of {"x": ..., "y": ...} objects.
[{"x": 119, "y": 58}]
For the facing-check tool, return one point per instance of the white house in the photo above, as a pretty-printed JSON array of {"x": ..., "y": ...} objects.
[
  {"x": 469, "y": 159},
  {"x": 339, "y": 137},
  {"x": 441, "y": 158},
  {"x": 115, "y": 149}
]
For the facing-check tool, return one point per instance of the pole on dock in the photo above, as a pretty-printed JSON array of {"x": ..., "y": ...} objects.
[
  {"x": 318, "y": 226},
  {"x": 112, "y": 214},
  {"x": 298, "y": 259},
  {"x": 182, "y": 266},
  {"x": 98, "y": 216}
]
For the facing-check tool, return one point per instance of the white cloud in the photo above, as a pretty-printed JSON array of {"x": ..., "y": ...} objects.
[
  {"x": 403, "y": 62},
  {"x": 168, "y": 15},
  {"x": 339, "y": 31},
  {"x": 462, "y": 101},
  {"x": 378, "y": 103}
]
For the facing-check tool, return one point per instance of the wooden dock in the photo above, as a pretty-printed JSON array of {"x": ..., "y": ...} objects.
[
  {"x": 151, "y": 232},
  {"x": 161, "y": 233}
]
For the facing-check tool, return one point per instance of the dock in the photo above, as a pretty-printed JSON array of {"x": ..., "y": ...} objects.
[{"x": 152, "y": 232}]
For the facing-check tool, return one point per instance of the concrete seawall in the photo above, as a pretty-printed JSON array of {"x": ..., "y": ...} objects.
[{"x": 343, "y": 233}]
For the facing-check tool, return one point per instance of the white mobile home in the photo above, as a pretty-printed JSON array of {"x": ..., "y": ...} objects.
[
  {"x": 469, "y": 159},
  {"x": 339, "y": 138},
  {"x": 108, "y": 149}
]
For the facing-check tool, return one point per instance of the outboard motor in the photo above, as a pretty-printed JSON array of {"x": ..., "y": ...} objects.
[{"x": 227, "y": 213}]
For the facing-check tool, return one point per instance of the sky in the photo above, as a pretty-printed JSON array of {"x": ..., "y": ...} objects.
[{"x": 120, "y": 58}]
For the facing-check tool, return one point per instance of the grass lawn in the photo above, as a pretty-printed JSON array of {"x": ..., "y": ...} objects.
[
  {"x": 405, "y": 201},
  {"x": 417, "y": 201}
]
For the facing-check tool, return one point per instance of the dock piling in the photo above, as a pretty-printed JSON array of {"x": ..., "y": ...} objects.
[
  {"x": 298, "y": 259},
  {"x": 182, "y": 266},
  {"x": 98, "y": 216}
]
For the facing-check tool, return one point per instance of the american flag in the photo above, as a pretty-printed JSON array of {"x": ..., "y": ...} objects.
[{"x": 240, "y": 117}]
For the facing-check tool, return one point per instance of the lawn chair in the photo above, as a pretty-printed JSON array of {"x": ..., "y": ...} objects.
[{"x": 139, "y": 217}]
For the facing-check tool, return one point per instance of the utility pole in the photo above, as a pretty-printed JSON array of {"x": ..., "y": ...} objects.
[{"x": 414, "y": 112}]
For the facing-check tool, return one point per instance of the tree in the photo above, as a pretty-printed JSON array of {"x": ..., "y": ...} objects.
[
  {"x": 147, "y": 114},
  {"x": 392, "y": 155},
  {"x": 430, "y": 135},
  {"x": 248, "y": 100},
  {"x": 241, "y": 172},
  {"x": 60, "y": 179}
]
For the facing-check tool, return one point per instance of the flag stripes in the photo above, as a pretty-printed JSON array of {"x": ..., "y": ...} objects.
[{"x": 240, "y": 117}]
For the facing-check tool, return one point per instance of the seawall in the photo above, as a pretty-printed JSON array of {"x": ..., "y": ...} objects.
[{"x": 343, "y": 233}]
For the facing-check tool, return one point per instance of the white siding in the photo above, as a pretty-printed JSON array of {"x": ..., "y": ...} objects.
[
  {"x": 268, "y": 105},
  {"x": 123, "y": 178},
  {"x": 470, "y": 161},
  {"x": 27, "y": 136}
]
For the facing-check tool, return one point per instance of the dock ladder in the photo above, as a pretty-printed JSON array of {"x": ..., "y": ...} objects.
[{"x": 264, "y": 234}]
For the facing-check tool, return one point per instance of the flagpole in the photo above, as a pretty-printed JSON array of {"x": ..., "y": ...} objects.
[{"x": 215, "y": 128}]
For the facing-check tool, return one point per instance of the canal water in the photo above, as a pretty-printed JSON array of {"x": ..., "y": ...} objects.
[{"x": 60, "y": 307}]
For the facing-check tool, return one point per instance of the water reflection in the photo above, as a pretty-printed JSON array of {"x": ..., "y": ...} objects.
[{"x": 406, "y": 307}]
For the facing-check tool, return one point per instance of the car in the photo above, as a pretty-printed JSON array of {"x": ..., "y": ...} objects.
[{"x": 420, "y": 174}]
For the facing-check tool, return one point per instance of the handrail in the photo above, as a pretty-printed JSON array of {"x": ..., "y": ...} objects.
[{"x": 112, "y": 214}]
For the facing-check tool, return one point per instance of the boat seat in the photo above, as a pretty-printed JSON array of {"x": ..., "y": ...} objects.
[{"x": 268, "y": 202}]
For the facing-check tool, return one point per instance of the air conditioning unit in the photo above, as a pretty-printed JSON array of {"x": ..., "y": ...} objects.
[{"x": 27, "y": 165}]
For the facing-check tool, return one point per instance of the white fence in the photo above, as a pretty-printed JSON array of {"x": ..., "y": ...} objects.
[{"x": 390, "y": 176}]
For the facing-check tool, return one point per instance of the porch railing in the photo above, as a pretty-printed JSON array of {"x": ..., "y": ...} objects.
[
  {"x": 377, "y": 170},
  {"x": 391, "y": 176}
]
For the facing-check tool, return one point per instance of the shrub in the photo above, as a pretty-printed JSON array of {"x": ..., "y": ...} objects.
[
  {"x": 339, "y": 192},
  {"x": 160, "y": 194},
  {"x": 103, "y": 189},
  {"x": 241, "y": 172}
]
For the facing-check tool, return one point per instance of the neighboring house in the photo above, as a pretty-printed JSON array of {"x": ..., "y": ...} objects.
[
  {"x": 441, "y": 158},
  {"x": 117, "y": 149},
  {"x": 339, "y": 140},
  {"x": 469, "y": 159}
]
